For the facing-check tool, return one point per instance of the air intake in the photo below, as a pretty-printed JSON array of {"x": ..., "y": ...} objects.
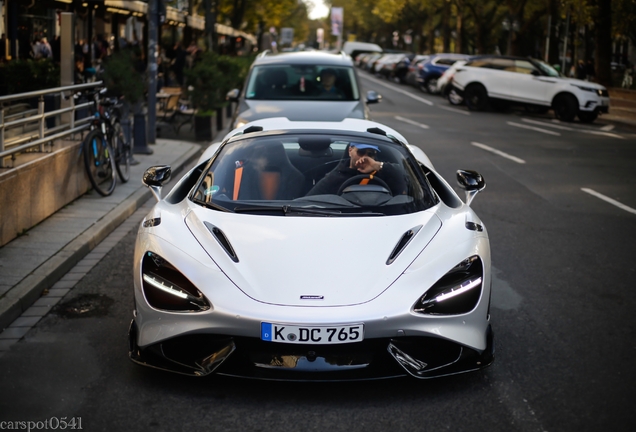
[
  {"x": 405, "y": 240},
  {"x": 223, "y": 241}
]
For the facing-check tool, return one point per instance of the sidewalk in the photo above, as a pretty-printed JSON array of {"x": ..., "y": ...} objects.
[{"x": 32, "y": 263}]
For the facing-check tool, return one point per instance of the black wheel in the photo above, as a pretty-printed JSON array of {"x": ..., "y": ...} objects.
[
  {"x": 123, "y": 152},
  {"x": 588, "y": 116},
  {"x": 360, "y": 177},
  {"x": 565, "y": 107},
  {"x": 100, "y": 162},
  {"x": 431, "y": 86},
  {"x": 476, "y": 97}
]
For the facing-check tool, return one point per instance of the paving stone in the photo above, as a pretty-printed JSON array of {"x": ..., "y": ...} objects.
[
  {"x": 73, "y": 276},
  {"x": 47, "y": 301},
  {"x": 64, "y": 284},
  {"x": 14, "y": 332},
  {"x": 25, "y": 322},
  {"x": 38, "y": 311},
  {"x": 58, "y": 292}
]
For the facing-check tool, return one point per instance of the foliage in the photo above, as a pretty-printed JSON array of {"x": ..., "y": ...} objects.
[
  {"x": 123, "y": 75},
  {"x": 20, "y": 76},
  {"x": 212, "y": 77}
]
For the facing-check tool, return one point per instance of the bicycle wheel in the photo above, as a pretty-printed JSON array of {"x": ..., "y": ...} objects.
[
  {"x": 123, "y": 152},
  {"x": 100, "y": 163}
]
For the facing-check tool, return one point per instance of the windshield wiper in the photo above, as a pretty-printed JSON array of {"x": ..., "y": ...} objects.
[
  {"x": 287, "y": 210},
  {"x": 211, "y": 205}
]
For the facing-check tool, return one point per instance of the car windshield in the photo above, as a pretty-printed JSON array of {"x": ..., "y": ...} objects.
[
  {"x": 302, "y": 82},
  {"x": 547, "y": 69},
  {"x": 310, "y": 174}
]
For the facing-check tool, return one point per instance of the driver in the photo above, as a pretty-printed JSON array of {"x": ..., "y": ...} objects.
[{"x": 361, "y": 161}]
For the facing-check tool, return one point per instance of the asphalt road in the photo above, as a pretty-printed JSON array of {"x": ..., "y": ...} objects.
[{"x": 562, "y": 311}]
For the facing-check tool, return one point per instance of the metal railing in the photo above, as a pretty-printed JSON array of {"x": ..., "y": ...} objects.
[{"x": 43, "y": 135}]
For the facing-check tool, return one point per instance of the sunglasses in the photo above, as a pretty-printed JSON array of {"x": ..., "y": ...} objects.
[{"x": 367, "y": 152}]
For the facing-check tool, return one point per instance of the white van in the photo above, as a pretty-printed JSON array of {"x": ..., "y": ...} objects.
[{"x": 354, "y": 48}]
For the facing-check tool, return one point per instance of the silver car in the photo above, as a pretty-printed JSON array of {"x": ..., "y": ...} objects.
[
  {"x": 313, "y": 251},
  {"x": 291, "y": 85}
]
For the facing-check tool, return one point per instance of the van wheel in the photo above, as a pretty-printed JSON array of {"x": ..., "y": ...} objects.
[
  {"x": 476, "y": 97},
  {"x": 588, "y": 116},
  {"x": 565, "y": 107}
]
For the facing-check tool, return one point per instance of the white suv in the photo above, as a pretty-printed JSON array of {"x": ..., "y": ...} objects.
[{"x": 528, "y": 82}]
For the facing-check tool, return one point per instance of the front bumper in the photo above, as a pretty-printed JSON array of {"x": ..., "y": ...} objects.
[{"x": 204, "y": 354}]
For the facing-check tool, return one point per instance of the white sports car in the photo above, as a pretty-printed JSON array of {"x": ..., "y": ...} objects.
[{"x": 312, "y": 251}]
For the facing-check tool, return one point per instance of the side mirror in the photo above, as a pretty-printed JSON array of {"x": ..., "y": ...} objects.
[
  {"x": 155, "y": 177},
  {"x": 472, "y": 182},
  {"x": 233, "y": 95},
  {"x": 373, "y": 97},
  {"x": 535, "y": 72}
]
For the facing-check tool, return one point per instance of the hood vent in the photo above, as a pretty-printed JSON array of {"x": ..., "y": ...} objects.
[
  {"x": 223, "y": 241},
  {"x": 405, "y": 240}
]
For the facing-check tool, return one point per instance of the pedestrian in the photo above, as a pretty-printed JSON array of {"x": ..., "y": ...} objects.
[
  {"x": 179, "y": 61},
  {"x": 581, "y": 70},
  {"x": 45, "y": 49},
  {"x": 591, "y": 73}
]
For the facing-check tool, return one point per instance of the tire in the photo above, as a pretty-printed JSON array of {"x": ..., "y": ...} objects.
[
  {"x": 100, "y": 162},
  {"x": 476, "y": 97},
  {"x": 454, "y": 98},
  {"x": 123, "y": 152},
  {"x": 588, "y": 116},
  {"x": 431, "y": 86},
  {"x": 565, "y": 107}
]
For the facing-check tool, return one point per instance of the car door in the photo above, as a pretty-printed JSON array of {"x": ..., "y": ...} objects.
[
  {"x": 530, "y": 85},
  {"x": 496, "y": 74}
]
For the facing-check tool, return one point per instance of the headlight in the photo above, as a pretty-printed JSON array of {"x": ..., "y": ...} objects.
[
  {"x": 167, "y": 289},
  {"x": 240, "y": 123},
  {"x": 457, "y": 292}
]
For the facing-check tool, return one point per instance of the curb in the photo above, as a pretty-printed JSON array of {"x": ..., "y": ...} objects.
[{"x": 30, "y": 289}]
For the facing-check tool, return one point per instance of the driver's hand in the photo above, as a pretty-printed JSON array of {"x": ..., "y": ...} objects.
[{"x": 366, "y": 165}]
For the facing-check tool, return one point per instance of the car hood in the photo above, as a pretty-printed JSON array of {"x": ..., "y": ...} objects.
[
  {"x": 578, "y": 82},
  {"x": 314, "y": 110},
  {"x": 312, "y": 261}
]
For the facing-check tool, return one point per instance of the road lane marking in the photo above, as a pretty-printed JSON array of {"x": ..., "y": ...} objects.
[
  {"x": 546, "y": 124},
  {"x": 412, "y": 122},
  {"x": 602, "y": 132},
  {"x": 545, "y": 131},
  {"x": 498, "y": 152},
  {"x": 417, "y": 98},
  {"x": 455, "y": 110},
  {"x": 607, "y": 128},
  {"x": 609, "y": 200}
]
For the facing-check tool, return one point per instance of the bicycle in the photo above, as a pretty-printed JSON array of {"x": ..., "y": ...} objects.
[
  {"x": 116, "y": 137},
  {"x": 105, "y": 148}
]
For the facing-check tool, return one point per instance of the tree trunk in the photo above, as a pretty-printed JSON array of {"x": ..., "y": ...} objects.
[{"x": 603, "y": 52}]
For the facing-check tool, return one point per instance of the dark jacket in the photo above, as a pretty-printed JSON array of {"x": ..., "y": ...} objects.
[{"x": 330, "y": 184}]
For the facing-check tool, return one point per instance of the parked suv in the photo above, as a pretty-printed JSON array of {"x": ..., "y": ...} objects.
[
  {"x": 529, "y": 82},
  {"x": 431, "y": 70},
  {"x": 290, "y": 85}
]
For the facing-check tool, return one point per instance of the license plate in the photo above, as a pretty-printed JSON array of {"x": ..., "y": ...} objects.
[{"x": 324, "y": 335}]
